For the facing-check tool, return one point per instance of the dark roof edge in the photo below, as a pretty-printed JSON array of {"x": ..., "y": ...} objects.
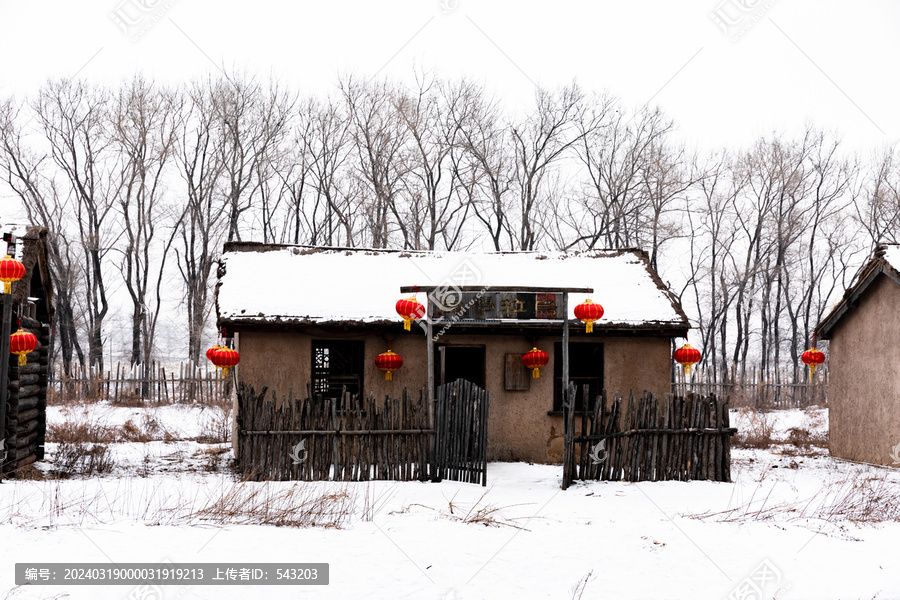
[
  {"x": 236, "y": 246},
  {"x": 875, "y": 267},
  {"x": 300, "y": 323}
]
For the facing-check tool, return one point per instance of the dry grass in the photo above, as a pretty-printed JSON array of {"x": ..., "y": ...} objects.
[
  {"x": 757, "y": 433},
  {"x": 477, "y": 513},
  {"x": 29, "y": 473},
  {"x": 800, "y": 442},
  {"x": 215, "y": 427},
  {"x": 92, "y": 432},
  {"x": 80, "y": 458},
  {"x": 578, "y": 589},
  {"x": 300, "y": 505},
  {"x": 84, "y": 503},
  {"x": 863, "y": 498}
]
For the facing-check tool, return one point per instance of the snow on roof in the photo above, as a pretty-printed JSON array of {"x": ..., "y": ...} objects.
[
  {"x": 892, "y": 255},
  {"x": 301, "y": 284}
]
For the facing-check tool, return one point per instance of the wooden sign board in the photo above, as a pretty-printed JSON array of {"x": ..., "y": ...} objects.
[{"x": 491, "y": 306}]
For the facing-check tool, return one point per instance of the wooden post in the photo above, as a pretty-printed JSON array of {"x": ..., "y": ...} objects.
[
  {"x": 429, "y": 351},
  {"x": 4, "y": 372},
  {"x": 567, "y": 401},
  {"x": 5, "y": 331}
]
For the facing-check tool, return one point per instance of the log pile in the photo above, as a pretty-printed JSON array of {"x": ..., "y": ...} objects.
[{"x": 26, "y": 412}]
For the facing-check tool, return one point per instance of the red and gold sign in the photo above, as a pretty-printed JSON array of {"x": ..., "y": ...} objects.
[
  {"x": 410, "y": 309},
  {"x": 534, "y": 359},
  {"x": 21, "y": 343},
  {"x": 388, "y": 362},
  {"x": 589, "y": 312},
  {"x": 813, "y": 358},
  {"x": 10, "y": 270},
  {"x": 687, "y": 355}
]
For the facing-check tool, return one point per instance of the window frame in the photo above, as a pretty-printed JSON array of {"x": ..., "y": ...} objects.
[{"x": 356, "y": 353}]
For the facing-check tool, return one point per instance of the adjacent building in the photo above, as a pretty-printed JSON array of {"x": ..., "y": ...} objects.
[{"x": 864, "y": 364}]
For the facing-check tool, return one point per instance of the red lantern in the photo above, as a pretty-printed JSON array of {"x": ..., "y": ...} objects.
[
  {"x": 10, "y": 270},
  {"x": 589, "y": 312},
  {"x": 813, "y": 358},
  {"x": 687, "y": 355},
  {"x": 21, "y": 343},
  {"x": 225, "y": 358},
  {"x": 410, "y": 309},
  {"x": 534, "y": 359},
  {"x": 212, "y": 351},
  {"x": 388, "y": 362}
]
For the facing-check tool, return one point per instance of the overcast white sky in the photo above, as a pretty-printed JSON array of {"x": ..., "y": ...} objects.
[
  {"x": 765, "y": 65},
  {"x": 780, "y": 63}
]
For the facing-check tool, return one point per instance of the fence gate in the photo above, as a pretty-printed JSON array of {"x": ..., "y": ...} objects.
[{"x": 460, "y": 432}]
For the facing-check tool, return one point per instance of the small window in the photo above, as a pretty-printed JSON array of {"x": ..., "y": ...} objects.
[
  {"x": 336, "y": 365},
  {"x": 585, "y": 367}
]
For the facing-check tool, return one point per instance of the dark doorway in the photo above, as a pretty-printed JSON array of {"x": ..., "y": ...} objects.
[
  {"x": 585, "y": 367},
  {"x": 459, "y": 362}
]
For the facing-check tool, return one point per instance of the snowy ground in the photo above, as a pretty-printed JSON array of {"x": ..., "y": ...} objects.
[{"x": 823, "y": 528}]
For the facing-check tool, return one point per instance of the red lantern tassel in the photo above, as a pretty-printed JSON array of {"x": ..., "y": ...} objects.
[
  {"x": 589, "y": 328},
  {"x": 407, "y": 324},
  {"x": 535, "y": 373},
  {"x": 7, "y": 287},
  {"x": 387, "y": 376},
  {"x": 22, "y": 360}
]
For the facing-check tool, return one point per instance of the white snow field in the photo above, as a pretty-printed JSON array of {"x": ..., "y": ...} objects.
[{"x": 794, "y": 523}]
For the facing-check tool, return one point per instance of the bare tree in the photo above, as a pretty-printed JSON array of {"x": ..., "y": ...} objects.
[
  {"x": 74, "y": 119},
  {"x": 143, "y": 135},
  {"x": 31, "y": 181},
  {"x": 711, "y": 237},
  {"x": 878, "y": 209},
  {"x": 253, "y": 120},
  {"x": 435, "y": 211},
  {"x": 667, "y": 176},
  {"x": 616, "y": 150},
  {"x": 823, "y": 247},
  {"x": 324, "y": 138},
  {"x": 538, "y": 144},
  {"x": 205, "y": 223},
  {"x": 380, "y": 139},
  {"x": 485, "y": 164}
]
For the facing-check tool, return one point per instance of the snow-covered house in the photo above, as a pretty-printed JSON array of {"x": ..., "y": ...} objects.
[
  {"x": 863, "y": 330},
  {"x": 305, "y": 315}
]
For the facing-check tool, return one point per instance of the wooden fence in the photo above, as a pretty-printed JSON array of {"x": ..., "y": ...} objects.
[
  {"x": 345, "y": 439},
  {"x": 349, "y": 439},
  {"x": 460, "y": 423},
  {"x": 647, "y": 439},
  {"x": 755, "y": 389},
  {"x": 185, "y": 382}
]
